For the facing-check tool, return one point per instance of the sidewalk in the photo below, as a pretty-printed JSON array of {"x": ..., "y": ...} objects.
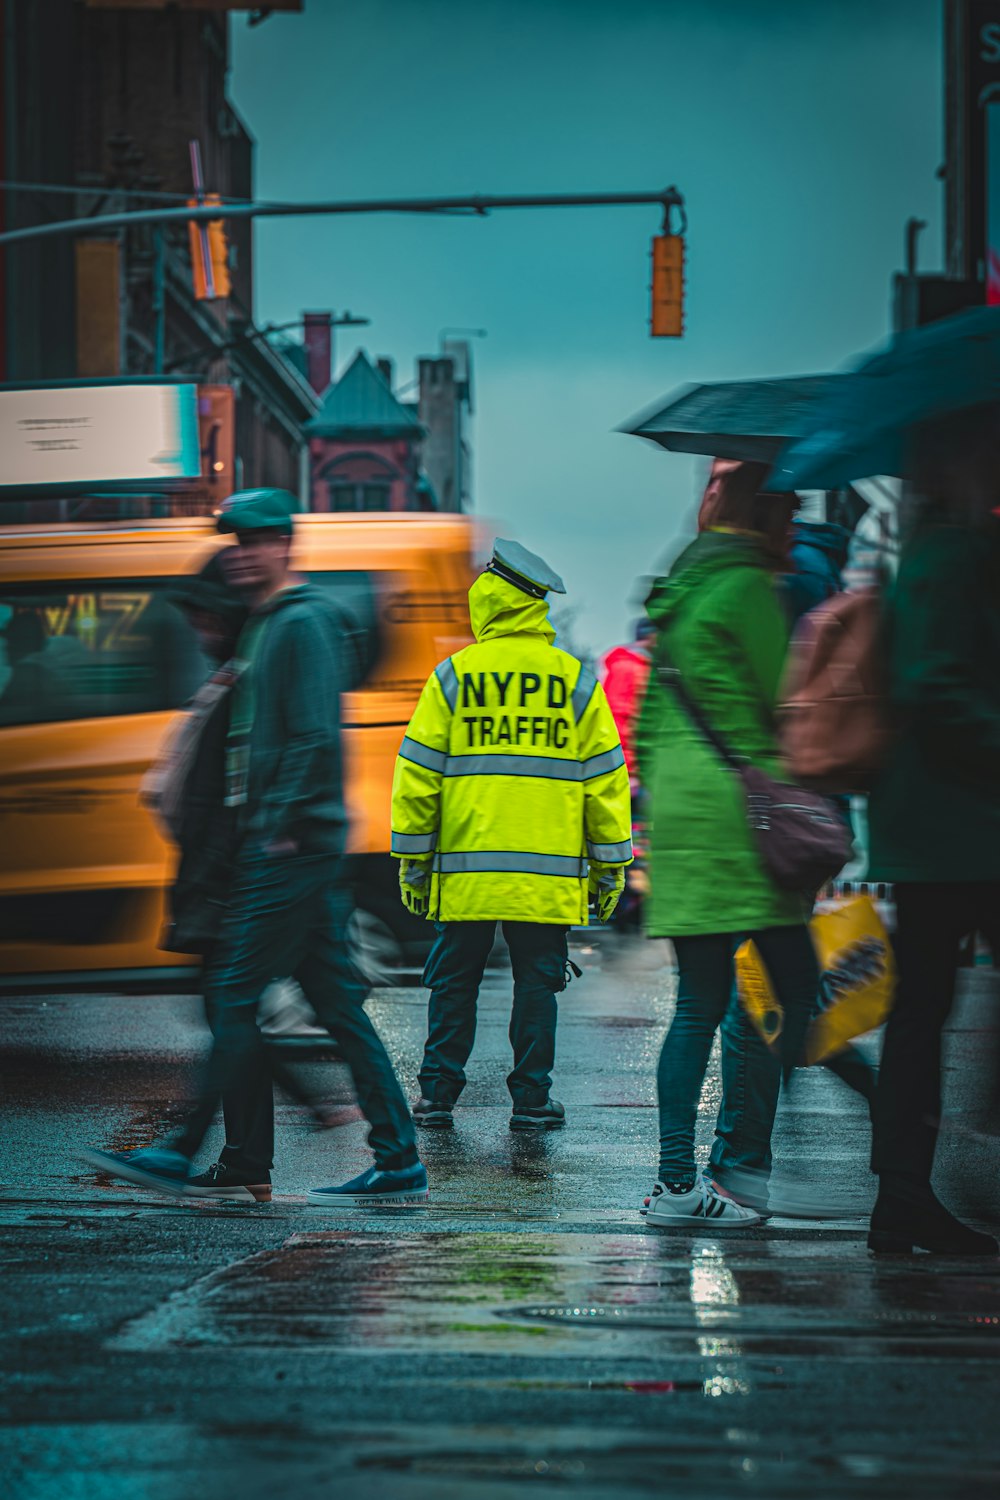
[
  {"x": 526, "y": 1329},
  {"x": 116, "y": 1070}
]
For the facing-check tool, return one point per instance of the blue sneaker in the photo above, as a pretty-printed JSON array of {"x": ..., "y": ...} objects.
[
  {"x": 154, "y": 1167},
  {"x": 389, "y": 1189}
]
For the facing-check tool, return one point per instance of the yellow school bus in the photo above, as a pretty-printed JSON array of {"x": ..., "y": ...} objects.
[{"x": 95, "y": 660}]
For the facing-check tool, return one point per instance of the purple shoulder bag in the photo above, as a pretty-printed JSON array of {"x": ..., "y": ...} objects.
[{"x": 802, "y": 838}]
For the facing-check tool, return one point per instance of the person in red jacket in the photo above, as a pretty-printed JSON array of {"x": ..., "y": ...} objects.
[{"x": 624, "y": 673}]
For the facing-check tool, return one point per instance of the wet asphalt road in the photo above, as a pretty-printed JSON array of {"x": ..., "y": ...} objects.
[{"x": 525, "y": 1333}]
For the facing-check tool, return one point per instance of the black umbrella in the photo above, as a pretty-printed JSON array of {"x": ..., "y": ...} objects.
[
  {"x": 741, "y": 419},
  {"x": 866, "y": 422}
]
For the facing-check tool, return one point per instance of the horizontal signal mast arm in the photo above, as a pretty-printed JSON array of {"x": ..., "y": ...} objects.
[{"x": 478, "y": 204}]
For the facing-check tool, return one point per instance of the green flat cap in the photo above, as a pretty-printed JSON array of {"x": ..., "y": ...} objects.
[
  {"x": 525, "y": 570},
  {"x": 257, "y": 510}
]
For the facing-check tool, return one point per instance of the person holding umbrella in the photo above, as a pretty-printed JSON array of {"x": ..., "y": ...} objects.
[
  {"x": 929, "y": 409},
  {"x": 721, "y": 627}
]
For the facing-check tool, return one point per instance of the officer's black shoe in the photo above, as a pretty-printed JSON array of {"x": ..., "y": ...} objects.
[
  {"x": 548, "y": 1116},
  {"x": 900, "y": 1225},
  {"x": 434, "y": 1116}
]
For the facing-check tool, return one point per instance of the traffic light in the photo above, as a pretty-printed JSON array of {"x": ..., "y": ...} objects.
[
  {"x": 667, "y": 308},
  {"x": 209, "y": 253}
]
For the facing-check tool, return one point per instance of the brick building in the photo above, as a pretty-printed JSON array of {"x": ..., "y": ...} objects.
[
  {"x": 371, "y": 450},
  {"x": 364, "y": 445},
  {"x": 445, "y": 406},
  {"x": 105, "y": 99}
]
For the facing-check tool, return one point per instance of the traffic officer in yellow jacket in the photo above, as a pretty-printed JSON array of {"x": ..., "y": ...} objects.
[{"x": 510, "y": 803}]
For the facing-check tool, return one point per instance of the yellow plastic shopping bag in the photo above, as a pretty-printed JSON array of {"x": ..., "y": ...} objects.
[
  {"x": 756, "y": 995},
  {"x": 857, "y": 980},
  {"x": 857, "y": 976}
]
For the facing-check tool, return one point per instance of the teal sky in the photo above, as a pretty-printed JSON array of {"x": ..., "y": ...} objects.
[{"x": 802, "y": 133}]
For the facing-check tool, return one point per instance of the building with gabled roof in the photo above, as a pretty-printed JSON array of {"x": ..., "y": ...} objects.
[{"x": 364, "y": 444}]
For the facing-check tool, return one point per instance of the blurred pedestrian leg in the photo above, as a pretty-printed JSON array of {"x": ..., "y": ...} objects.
[
  {"x": 746, "y": 1113},
  {"x": 853, "y": 1068},
  {"x": 290, "y": 915},
  {"x": 931, "y": 920},
  {"x": 248, "y": 1107}
]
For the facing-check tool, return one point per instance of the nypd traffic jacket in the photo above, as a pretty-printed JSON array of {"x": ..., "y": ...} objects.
[{"x": 511, "y": 773}]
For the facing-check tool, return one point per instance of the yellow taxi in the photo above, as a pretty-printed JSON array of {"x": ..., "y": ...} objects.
[{"x": 95, "y": 659}]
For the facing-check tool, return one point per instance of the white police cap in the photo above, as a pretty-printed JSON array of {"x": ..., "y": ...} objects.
[{"x": 525, "y": 570}]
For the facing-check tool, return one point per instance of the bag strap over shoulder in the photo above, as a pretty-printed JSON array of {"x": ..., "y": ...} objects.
[{"x": 670, "y": 677}]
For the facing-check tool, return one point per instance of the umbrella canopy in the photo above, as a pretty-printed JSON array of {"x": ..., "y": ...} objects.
[
  {"x": 865, "y": 423},
  {"x": 752, "y": 420}
]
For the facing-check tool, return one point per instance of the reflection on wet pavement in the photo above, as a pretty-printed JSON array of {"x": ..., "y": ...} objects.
[{"x": 541, "y": 1294}]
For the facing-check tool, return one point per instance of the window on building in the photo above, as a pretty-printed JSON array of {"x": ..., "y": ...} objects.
[
  {"x": 342, "y": 497},
  {"x": 357, "y": 496}
]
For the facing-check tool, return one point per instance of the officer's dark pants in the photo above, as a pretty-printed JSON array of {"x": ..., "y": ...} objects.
[
  {"x": 289, "y": 916},
  {"x": 453, "y": 975}
]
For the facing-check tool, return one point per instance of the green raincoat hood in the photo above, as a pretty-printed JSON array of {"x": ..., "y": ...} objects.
[
  {"x": 497, "y": 608},
  {"x": 710, "y": 553}
]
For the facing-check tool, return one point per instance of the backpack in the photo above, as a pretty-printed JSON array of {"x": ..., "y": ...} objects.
[{"x": 835, "y": 720}]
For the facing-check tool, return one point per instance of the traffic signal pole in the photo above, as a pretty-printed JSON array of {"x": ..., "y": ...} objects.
[
  {"x": 478, "y": 205},
  {"x": 205, "y": 220}
]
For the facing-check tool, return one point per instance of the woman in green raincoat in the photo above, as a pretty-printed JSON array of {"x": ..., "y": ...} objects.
[{"x": 721, "y": 624}]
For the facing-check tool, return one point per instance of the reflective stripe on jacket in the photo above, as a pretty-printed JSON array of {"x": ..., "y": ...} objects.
[{"x": 511, "y": 772}]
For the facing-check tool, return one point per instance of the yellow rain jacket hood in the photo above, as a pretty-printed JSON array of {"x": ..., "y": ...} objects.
[{"x": 511, "y": 774}]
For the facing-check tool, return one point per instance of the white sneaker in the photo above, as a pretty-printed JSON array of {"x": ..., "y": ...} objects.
[
  {"x": 748, "y": 1188},
  {"x": 701, "y": 1208}
]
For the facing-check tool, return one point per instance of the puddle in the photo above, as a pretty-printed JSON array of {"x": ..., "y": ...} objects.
[{"x": 560, "y": 1294}]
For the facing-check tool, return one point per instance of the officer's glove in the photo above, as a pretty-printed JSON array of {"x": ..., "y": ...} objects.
[
  {"x": 415, "y": 885},
  {"x": 605, "y": 887}
]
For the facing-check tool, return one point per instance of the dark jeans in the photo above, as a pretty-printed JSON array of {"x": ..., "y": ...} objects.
[
  {"x": 248, "y": 1111},
  {"x": 453, "y": 975},
  {"x": 931, "y": 920},
  {"x": 704, "y": 987},
  {"x": 289, "y": 916},
  {"x": 746, "y": 1114}
]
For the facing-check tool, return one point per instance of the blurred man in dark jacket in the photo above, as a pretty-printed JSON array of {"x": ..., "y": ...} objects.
[
  {"x": 288, "y": 909},
  {"x": 185, "y": 790}
]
